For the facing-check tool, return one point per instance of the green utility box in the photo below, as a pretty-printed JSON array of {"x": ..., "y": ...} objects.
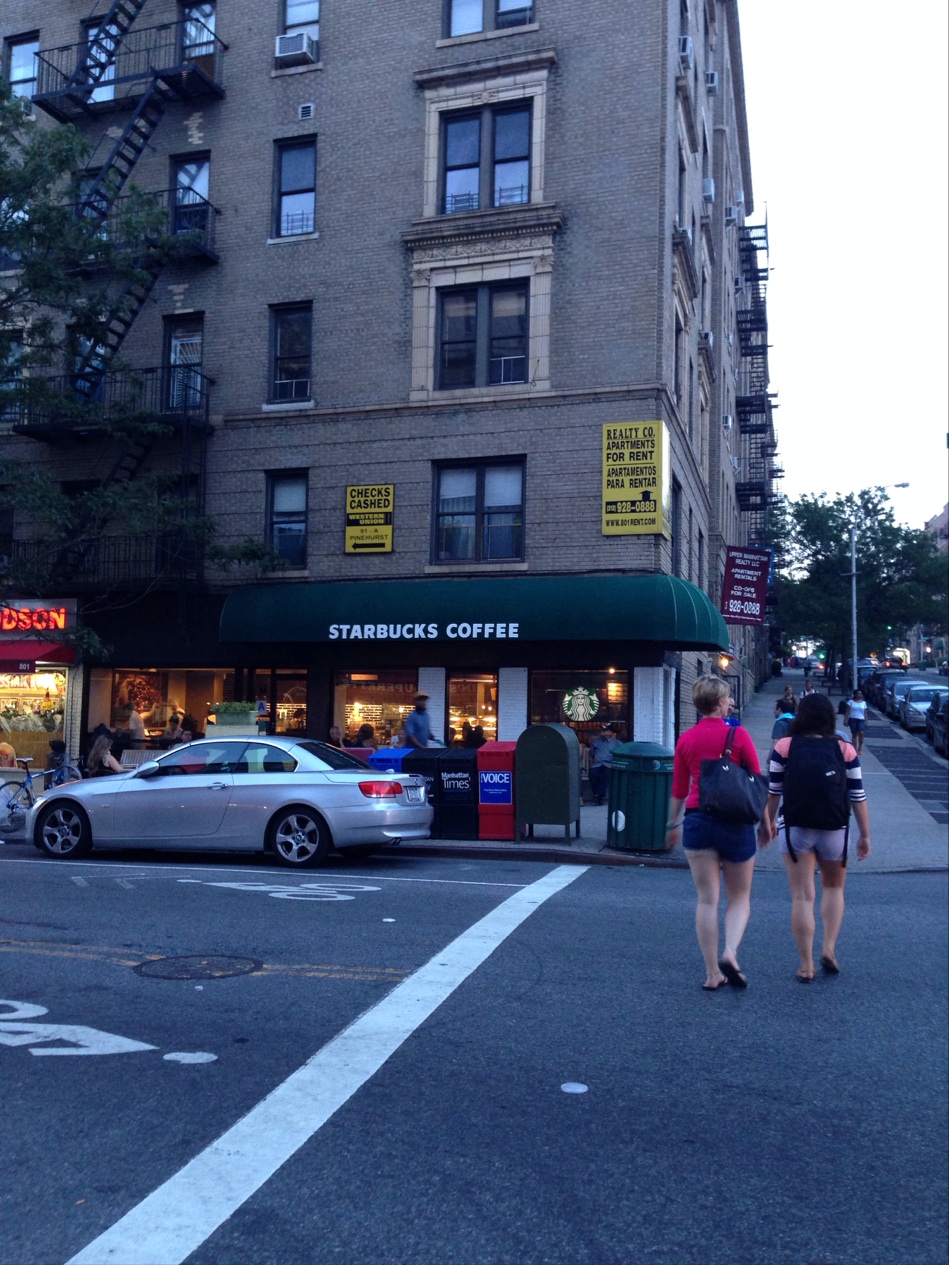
[
  {"x": 640, "y": 786},
  {"x": 547, "y": 779}
]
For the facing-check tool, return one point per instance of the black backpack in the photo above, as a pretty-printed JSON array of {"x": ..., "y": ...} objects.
[{"x": 816, "y": 795}]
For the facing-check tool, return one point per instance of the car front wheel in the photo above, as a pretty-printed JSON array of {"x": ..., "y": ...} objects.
[
  {"x": 299, "y": 837},
  {"x": 62, "y": 831}
]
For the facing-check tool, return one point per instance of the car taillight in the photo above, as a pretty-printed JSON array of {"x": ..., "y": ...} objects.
[{"x": 381, "y": 790}]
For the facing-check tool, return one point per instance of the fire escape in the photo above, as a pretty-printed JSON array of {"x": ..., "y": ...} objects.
[
  {"x": 754, "y": 405},
  {"x": 123, "y": 70}
]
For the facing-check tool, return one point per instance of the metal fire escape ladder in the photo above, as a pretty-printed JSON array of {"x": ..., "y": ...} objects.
[
  {"x": 115, "y": 171},
  {"x": 102, "y": 48}
]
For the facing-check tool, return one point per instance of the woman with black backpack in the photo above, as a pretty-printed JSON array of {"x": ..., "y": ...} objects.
[{"x": 817, "y": 774}]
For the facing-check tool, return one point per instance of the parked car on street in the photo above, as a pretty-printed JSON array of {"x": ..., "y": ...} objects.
[
  {"x": 942, "y": 693},
  {"x": 876, "y": 683},
  {"x": 297, "y": 799},
  {"x": 895, "y": 691},
  {"x": 939, "y": 728},
  {"x": 914, "y": 705}
]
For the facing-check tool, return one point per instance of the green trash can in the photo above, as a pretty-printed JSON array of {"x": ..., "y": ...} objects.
[{"x": 640, "y": 786}]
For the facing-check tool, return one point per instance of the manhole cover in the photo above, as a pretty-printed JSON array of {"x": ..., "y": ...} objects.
[{"x": 198, "y": 968}]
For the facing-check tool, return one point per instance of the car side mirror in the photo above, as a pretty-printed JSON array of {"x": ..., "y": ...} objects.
[{"x": 150, "y": 769}]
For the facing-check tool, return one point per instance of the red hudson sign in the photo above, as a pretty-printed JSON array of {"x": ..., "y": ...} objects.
[{"x": 20, "y": 619}]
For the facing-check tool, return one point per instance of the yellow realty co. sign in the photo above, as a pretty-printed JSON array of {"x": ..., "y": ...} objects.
[
  {"x": 635, "y": 479},
  {"x": 369, "y": 518}
]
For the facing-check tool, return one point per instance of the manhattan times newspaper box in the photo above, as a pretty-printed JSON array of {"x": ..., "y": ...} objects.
[
  {"x": 496, "y": 790},
  {"x": 452, "y": 777}
]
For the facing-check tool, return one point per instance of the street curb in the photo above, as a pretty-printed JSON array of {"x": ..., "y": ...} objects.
[{"x": 552, "y": 856}]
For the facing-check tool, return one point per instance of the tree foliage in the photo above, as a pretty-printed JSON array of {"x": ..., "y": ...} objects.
[
  {"x": 61, "y": 274},
  {"x": 901, "y": 575}
]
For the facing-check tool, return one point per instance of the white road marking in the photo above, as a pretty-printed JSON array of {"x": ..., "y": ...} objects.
[
  {"x": 13, "y": 1031},
  {"x": 224, "y": 869},
  {"x": 326, "y": 890},
  {"x": 198, "y": 1056},
  {"x": 80, "y": 882},
  {"x": 172, "y": 1222}
]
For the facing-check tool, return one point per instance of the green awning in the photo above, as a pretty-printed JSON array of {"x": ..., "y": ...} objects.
[{"x": 654, "y": 608}]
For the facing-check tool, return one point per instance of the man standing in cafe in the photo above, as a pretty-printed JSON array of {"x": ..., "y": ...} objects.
[
  {"x": 418, "y": 727},
  {"x": 601, "y": 757}
]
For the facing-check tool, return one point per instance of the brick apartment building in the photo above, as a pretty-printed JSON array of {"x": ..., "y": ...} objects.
[{"x": 473, "y": 334}]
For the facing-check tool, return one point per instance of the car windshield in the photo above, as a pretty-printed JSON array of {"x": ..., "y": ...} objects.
[
  {"x": 925, "y": 695},
  {"x": 332, "y": 756}
]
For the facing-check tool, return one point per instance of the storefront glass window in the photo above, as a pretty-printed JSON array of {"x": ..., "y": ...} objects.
[
  {"x": 472, "y": 709},
  {"x": 138, "y": 704},
  {"x": 380, "y": 699},
  {"x": 290, "y": 704},
  {"x": 582, "y": 700},
  {"x": 31, "y": 713}
]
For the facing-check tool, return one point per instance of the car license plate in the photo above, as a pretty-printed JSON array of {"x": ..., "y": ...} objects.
[{"x": 413, "y": 794}]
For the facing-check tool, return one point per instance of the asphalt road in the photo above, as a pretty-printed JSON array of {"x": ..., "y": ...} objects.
[{"x": 447, "y": 1004}]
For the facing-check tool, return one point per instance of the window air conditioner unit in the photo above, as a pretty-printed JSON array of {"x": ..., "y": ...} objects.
[
  {"x": 296, "y": 49},
  {"x": 726, "y": 421},
  {"x": 708, "y": 189},
  {"x": 736, "y": 464},
  {"x": 686, "y": 55},
  {"x": 731, "y": 338},
  {"x": 731, "y": 216},
  {"x": 711, "y": 83},
  {"x": 708, "y": 336},
  {"x": 740, "y": 197}
]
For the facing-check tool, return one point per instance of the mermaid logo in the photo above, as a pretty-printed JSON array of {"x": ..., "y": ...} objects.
[{"x": 581, "y": 703}]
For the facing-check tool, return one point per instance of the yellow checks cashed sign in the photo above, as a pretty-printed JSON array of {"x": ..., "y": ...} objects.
[
  {"x": 369, "y": 518},
  {"x": 635, "y": 479}
]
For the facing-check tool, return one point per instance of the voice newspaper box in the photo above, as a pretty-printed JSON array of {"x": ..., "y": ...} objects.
[{"x": 496, "y": 790}]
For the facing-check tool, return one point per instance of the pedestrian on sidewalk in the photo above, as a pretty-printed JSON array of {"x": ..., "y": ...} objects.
[
  {"x": 855, "y": 716},
  {"x": 714, "y": 848},
  {"x": 601, "y": 760},
  {"x": 811, "y": 779}
]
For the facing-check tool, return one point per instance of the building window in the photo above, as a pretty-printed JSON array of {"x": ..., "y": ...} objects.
[
  {"x": 21, "y": 63},
  {"x": 486, "y": 158},
  {"x": 294, "y": 187},
  {"x": 479, "y": 514},
  {"x": 184, "y": 349},
  {"x": 192, "y": 211},
  {"x": 197, "y": 38},
  {"x": 482, "y": 336},
  {"x": 675, "y": 529},
  {"x": 11, "y": 350},
  {"x": 286, "y": 516},
  {"x": 468, "y": 17},
  {"x": 290, "y": 352},
  {"x": 302, "y": 15},
  {"x": 100, "y": 68}
]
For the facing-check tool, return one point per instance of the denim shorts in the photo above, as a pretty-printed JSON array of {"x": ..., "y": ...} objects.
[
  {"x": 702, "y": 833},
  {"x": 857, "y": 726}
]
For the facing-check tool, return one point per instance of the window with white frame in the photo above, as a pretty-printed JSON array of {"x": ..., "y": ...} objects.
[
  {"x": 286, "y": 515},
  {"x": 479, "y": 512},
  {"x": 302, "y": 15},
  {"x": 294, "y": 187},
  {"x": 21, "y": 65},
  {"x": 291, "y": 333},
  {"x": 470, "y": 17}
]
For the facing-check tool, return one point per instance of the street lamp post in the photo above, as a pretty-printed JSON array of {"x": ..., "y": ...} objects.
[{"x": 854, "y": 677}]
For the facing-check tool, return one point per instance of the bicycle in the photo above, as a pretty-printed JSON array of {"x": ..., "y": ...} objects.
[{"x": 19, "y": 801}]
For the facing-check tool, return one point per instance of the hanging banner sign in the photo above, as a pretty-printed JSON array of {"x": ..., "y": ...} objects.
[
  {"x": 745, "y": 587},
  {"x": 369, "y": 518},
  {"x": 635, "y": 479}
]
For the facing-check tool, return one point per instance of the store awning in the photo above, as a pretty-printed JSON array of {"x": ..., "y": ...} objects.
[
  {"x": 647, "y": 608},
  {"x": 32, "y": 652}
]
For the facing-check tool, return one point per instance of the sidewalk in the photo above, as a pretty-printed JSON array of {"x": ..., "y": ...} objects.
[{"x": 905, "y": 836}]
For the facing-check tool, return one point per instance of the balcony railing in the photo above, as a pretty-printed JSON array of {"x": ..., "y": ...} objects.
[
  {"x": 189, "y": 215},
  {"x": 187, "y": 65},
  {"x": 177, "y": 395},
  {"x": 109, "y": 560}
]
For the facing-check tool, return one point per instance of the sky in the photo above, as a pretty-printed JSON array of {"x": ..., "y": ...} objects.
[{"x": 847, "y": 116}]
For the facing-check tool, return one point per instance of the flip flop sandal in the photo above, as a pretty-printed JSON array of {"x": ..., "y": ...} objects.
[{"x": 733, "y": 975}]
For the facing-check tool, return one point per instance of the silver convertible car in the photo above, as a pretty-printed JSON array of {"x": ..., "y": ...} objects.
[{"x": 297, "y": 799}]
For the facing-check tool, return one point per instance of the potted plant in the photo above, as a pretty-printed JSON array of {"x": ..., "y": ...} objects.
[{"x": 235, "y": 717}]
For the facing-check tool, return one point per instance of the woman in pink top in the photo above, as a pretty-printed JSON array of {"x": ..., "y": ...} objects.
[{"x": 714, "y": 847}]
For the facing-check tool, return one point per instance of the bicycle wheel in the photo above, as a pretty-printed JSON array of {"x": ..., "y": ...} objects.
[{"x": 17, "y": 800}]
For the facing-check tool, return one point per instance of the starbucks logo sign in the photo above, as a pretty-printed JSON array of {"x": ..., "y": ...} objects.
[{"x": 581, "y": 703}]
